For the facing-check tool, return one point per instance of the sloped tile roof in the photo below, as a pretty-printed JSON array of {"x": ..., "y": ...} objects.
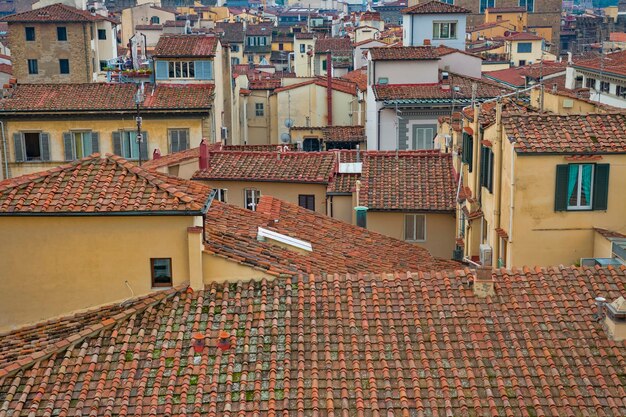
[
  {"x": 259, "y": 29},
  {"x": 338, "y": 46},
  {"x": 101, "y": 185},
  {"x": 340, "y": 247},
  {"x": 408, "y": 181},
  {"x": 359, "y": 77},
  {"x": 519, "y": 36},
  {"x": 174, "y": 46},
  {"x": 55, "y": 13},
  {"x": 568, "y": 134},
  {"x": 302, "y": 167},
  {"x": 344, "y": 134},
  {"x": 395, "y": 53},
  {"x": 36, "y": 98},
  {"x": 485, "y": 89},
  {"x": 233, "y": 32},
  {"x": 343, "y": 183},
  {"x": 172, "y": 159},
  {"x": 435, "y": 7},
  {"x": 36, "y": 339},
  {"x": 614, "y": 63},
  {"x": 488, "y": 111},
  {"x": 266, "y": 84},
  {"x": 362, "y": 344},
  {"x": 610, "y": 234},
  {"x": 338, "y": 84}
]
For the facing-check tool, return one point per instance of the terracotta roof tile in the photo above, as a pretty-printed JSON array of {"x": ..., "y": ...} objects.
[
  {"x": 55, "y": 13},
  {"x": 408, "y": 181},
  {"x": 259, "y": 29},
  {"x": 266, "y": 84},
  {"x": 233, "y": 32},
  {"x": 338, "y": 84},
  {"x": 34, "y": 98},
  {"x": 344, "y": 134},
  {"x": 486, "y": 89},
  {"x": 304, "y": 167},
  {"x": 405, "y": 53},
  {"x": 338, "y": 46},
  {"x": 343, "y": 183},
  {"x": 337, "y": 246},
  {"x": 610, "y": 233},
  {"x": 175, "y": 46},
  {"x": 101, "y": 185},
  {"x": 519, "y": 36},
  {"x": 614, "y": 63},
  {"x": 568, "y": 134},
  {"x": 172, "y": 159},
  {"x": 359, "y": 77},
  {"x": 362, "y": 344},
  {"x": 435, "y": 7}
]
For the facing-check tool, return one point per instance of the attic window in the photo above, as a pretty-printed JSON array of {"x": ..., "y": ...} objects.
[{"x": 263, "y": 234}]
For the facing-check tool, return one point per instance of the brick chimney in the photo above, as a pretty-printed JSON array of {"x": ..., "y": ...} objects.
[
  {"x": 615, "y": 319},
  {"x": 156, "y": 154},
  {"x": 427, "y": 42},
  {"x": 203, "y": 161},
  {"x": 484, "y": 284}
]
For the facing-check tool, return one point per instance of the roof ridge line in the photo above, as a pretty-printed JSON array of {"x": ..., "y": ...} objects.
[{"x": 88, "y": 331}]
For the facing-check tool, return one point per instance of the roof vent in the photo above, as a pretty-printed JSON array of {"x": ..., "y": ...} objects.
[{"x": 615, "y": 319}]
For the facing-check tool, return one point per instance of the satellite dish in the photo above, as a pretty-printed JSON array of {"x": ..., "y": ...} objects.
[
  {"x": 288, "y": 123},
  {"x": 285, "y": 138}
]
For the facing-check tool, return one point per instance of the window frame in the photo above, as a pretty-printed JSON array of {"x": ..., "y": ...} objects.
[
  {"x": 415, "y": 139},
  {"x": 30, "y": 34},
  {"x": 604, "y": 84},
  {"x": 259, "y": 109},
  {"x": 100, "y": 32},
  {"x": 61, "y": 30},
  {"x": 528, "y": 50},
  {"x": 589, "y": 81},
  {"x": 578, "y": 206},
  {"x": 82, "y": 133},
  {"x": 451, "y": 29},
  {"x": 415, "y": 237},
  {"x": 308, "y": 198},
  {"x": 176, "y": 70},
  {"x": 169, "y": 139},
  {"x": 525, "y": 4},
  {"x": 254, "y": 194},
  {"x": 33, "y": 66},
  {"x": 61, "y": 66},
  {"x": 152, "y": 274},
  {"x": 221, "y": 194},
  {"x": 124, "y": 134}
]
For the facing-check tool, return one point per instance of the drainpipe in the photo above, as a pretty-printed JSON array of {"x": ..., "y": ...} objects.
[
  {"x": 512, "y": 202},
  {"x": 378, "y": 128},
  {"x": 329, "y": 89},
  {"x": 497, "y": 172},
  {"x": 476, "y": 150},
  {"x": 4, "y": 151}
]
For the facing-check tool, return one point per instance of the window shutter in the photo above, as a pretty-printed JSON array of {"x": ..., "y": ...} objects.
[
  {"x": 483, "y": 166},
  {"x": 144, "y": 146},
  {"x": 68, "y": 145},
  {"x": 117, "y": 143},
  {"x": 204, "y": 70},
  {"x": 173, "y": 141},
  {"x": 162, "y": 70},
  {"x": 490, "y": 173},
  {"x": 560, "y": 193},
  {"x": 95, "y": 142},
  {"x": 44, "y": 141},
  {"x": 18, "y": 143},
  {"x": 183, "y": 140},
  {"x": 601, "y": 187}
]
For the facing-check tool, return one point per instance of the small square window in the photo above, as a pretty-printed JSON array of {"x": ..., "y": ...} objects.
[
  {"x": 61, "y": 33},
  {"x": 102, "y": 34},
  {"x": 64, "y": 66},
  {"x": 32, "y": 66},
  {"x": 30, "y": 33},
  {"x": 220, "y": 194},
  {"x": 259, "y": 109},
  {"x": 161, "y": 272}
]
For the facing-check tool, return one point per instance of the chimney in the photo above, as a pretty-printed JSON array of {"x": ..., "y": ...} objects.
[
  {"x": 204, "y": 155},
  {"x": 484, "y": 283},
  {"x": 156, "y": 154},
  {"x": 615, "y": 319},
  {"x": 329, "y": 89},
  {"x": 427, "y": 42}
]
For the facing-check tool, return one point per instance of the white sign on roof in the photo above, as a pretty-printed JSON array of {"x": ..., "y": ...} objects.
[{"x": 350, "y": 167}]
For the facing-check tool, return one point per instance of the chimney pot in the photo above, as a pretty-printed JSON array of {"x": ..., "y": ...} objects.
[
  {"x": 156, "y": 154},
  {"x": 615, "y": 319},
  {"x": 204, "y": 155},
  {"x": 484, "y": 284},
  {"x": 427, "y": 42}
]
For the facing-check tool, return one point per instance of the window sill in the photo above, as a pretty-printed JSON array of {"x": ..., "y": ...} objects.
[{"x": 415, "y": 241}]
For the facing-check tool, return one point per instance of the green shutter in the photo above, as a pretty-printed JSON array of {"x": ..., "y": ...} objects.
[
  {"x": 68, "y": 145},
  {"x": 470, "y": 152},
  {"x": 44, "y": 141},
  {"x": 490, "y": 173},
  {"x": 18, "y": 146},
  {"x": 560, "y": 193},
  {"x": 601, "y": 187}
]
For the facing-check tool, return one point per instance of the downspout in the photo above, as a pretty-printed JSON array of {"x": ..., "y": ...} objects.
[
  {"x": 497, "y": 172},
  {"x": 213, "y": 137},
  {"x": 329, "y": 89},
  {"x": 512, "y": 202},
  {"x": 4, "y": 151}
]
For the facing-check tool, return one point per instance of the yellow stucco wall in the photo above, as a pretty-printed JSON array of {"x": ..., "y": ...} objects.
[
  {"x": 83, "y": 262},
  {"x": 342, "y": 207},
  {"x": 554, "y": 102},
  {"x": 439, "y": 230},
  {"x": 284, "y": 191},
  {"x": 602, "y": 247},
  {"x": 219, "y": 269},
  {"x": 157, "y": 136}
]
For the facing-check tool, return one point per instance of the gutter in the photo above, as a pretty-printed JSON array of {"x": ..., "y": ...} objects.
[{"x": 107, "y": 214}]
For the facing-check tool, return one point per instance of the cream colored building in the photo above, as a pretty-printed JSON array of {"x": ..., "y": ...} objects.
[
  {"x": 303, "y": 54},
  {"x": 143, "y": 15}
]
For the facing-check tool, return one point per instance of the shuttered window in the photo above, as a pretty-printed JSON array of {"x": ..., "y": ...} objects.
[
  {"x": 125, "y": 144},
  {"x": 467, "y": 154},
  {"x": 80, "y": 144},
  {"x": 486, "y": 168},
  {"x": 179, "y": 140},
  {"x": 204, "y": 70},
  {"x": 581, "y": 187},
  {"x": 31, "y": 146}
]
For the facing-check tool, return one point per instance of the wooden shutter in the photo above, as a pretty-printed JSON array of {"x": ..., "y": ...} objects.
[
  {"x": 95, "y": 142},
  {"x": 18, "y": 144},
  {"x": 162, "y": 72},
  {"x": 183, "y": 140},
  {"x": 174, "y": 142},
  {"x": 44, "y": 142},
  {"x": 117, "y": 143},
  {"x": 560, "y": 193},
  {"x": 601, "y": 187},
  {"x": 203, "y": 70},
  {"x": 484, "y": 169},
  {"x": 68, "y": 146},
  {"x": 144, "y": 147},
  {"x": 490, "y": 173}
]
